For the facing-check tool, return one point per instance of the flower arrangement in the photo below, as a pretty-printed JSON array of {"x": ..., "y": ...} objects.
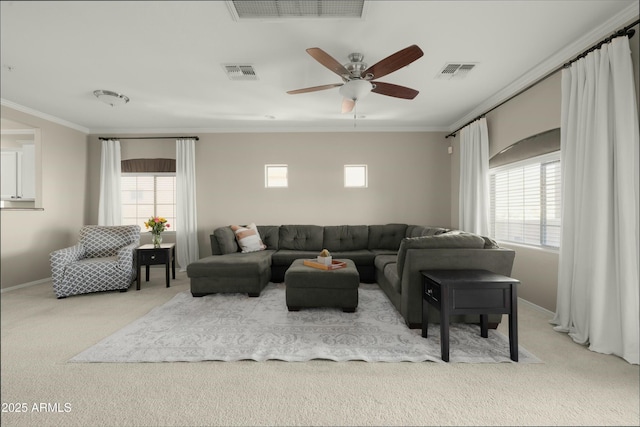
[{"x": 157, "y": 224}]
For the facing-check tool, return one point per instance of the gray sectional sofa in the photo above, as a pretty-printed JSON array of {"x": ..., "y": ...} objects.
[{"x": 391, "y": 255}]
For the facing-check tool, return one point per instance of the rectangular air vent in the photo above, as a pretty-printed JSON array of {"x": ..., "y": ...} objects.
[
  {"x": 455, "y": 70},
  {"x": 240, "y": 72},
  {"x": 242, "y": 10}
]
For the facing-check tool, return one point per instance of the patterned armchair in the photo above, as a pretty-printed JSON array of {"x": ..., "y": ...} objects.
[{"x": 103, "y": 260}]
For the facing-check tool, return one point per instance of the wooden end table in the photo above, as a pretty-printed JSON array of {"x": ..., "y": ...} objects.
[
  {"x": 148, "y": 255},
  {"x": 470, "y": 292}
]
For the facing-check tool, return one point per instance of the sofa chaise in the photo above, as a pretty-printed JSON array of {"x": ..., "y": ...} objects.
[{"x": 391, "y": 255}]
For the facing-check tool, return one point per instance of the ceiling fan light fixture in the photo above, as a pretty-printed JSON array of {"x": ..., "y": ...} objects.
[
  {"x": 111, "y": 98},
  {"x": 356, "y": 89}
]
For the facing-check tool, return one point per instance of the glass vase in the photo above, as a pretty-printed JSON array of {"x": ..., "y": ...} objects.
[{"x": 156, "y": 239}]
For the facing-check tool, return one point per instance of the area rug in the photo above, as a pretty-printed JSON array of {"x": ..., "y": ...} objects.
[{"x": 234, "y": 327}]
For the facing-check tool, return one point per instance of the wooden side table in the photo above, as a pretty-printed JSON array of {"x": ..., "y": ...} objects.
[
  {"x": 149, "y": 255},
  {"x": 470, "y": 292}
]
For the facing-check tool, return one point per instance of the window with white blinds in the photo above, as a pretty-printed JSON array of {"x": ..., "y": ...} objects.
[
  {"x": 525, "y": 201},
  {"x": 145, "y": 195}
]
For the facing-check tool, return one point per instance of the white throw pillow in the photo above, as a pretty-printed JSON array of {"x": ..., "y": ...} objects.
[{"x": 248, "y": 238}]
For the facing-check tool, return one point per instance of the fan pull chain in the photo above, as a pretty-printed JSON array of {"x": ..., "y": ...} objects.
[{"x": 355, "y": 113}]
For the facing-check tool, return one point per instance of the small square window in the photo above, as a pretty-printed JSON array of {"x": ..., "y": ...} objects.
[
  {"x": 275, "y": 176},
  {"x": 355, "y": 176}
]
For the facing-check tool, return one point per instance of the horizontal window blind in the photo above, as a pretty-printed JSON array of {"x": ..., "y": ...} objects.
[
  {"x": 147, "y": 195},
  {"x": 525, "y": 202}
]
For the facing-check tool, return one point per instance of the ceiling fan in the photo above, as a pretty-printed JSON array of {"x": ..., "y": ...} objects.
[{"x": 359, "y": 80}]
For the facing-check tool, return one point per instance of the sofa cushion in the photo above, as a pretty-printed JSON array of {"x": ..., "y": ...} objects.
[
  {"x": 226, "y": 239},
  {"x": 420, "y": 231},
  {"x": 360, "y": 257},
  {"x": 269, "y": 235},
  {"x": 489, "y": 243},
  {"x": 386, "y": 236},
  {"x": 381, "y": 261},
  {"x": 441, "y": 241},
  {"x": 301, "y": 237},
  {"x": 414, "y": 231},
  {"x": 248, "y": 238},
  {"x": 345, "y": 237},
  {"x": 231, "y": 265},
  {"x": 377, "y": 252},
  {"x": 287, "y": 256}
]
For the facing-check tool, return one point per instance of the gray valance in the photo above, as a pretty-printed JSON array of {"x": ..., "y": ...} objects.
[
  {"x": 148, "y": 165},
  {"x": 533, "y": 146}
]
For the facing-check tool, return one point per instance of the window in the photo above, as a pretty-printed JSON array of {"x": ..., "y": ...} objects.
[
  {"x": 275, "y": 176},
  {"x": 355, "y": 176},
  {"x": 148, "y": 194},
  {"x": 525, "y": 201}
]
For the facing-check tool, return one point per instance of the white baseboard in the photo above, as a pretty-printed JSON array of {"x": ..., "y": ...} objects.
[
  {"x": 25, "y": 285},
  {"x": 45, "y": 280},
  {"x": 536, "y": 307}
]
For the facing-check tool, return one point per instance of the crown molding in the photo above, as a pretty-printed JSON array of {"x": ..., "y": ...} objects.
[
  {"x": 281, "y": 129},
  {"x": 552, "y": 63},
  {"x": 45, "y": 116},
  {"x": 18, "y": 132}
]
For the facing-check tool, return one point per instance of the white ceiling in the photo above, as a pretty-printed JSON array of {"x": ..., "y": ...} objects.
[{"x": 167, "y": 55}]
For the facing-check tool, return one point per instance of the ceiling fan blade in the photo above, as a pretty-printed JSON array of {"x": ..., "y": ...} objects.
[
  {"x": 394, "y": 90},
  {"x": 314, "y": 88},
  {"x": 394, "y": 62},
  {"x": 327, "y": 60},
  {"x": 347, "y": 105}
]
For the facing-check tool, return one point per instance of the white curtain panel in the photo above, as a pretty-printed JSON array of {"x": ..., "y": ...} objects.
[
  {"x": 109, "y": 205},
  {"x": 598, "y": 287},
  {"x": 474, "y": 178},
  {"x": 187, "y": 232}
]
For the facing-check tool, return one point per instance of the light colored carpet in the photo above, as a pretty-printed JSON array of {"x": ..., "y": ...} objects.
[
  {"x": 234, "y": 327},
  {"x": 574, "y": 386}
]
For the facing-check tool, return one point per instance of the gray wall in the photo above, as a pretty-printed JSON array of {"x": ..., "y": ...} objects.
[
  {"x": 27, "y": 237},
  {"x": 532, "y": 112},
  {"x": 537, "y": 110},
  {"x": 408, "y": 178},
  {"x": 411, "y": 179}
]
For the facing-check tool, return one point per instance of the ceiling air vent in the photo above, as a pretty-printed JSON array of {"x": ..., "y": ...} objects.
[
  {"x": 240, "y": 72},
  {"x": 243, "y": 10},
  {"x": 455, "y": 70}
]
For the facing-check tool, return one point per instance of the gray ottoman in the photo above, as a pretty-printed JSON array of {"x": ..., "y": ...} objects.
[{"x": 311, "y": 287}]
